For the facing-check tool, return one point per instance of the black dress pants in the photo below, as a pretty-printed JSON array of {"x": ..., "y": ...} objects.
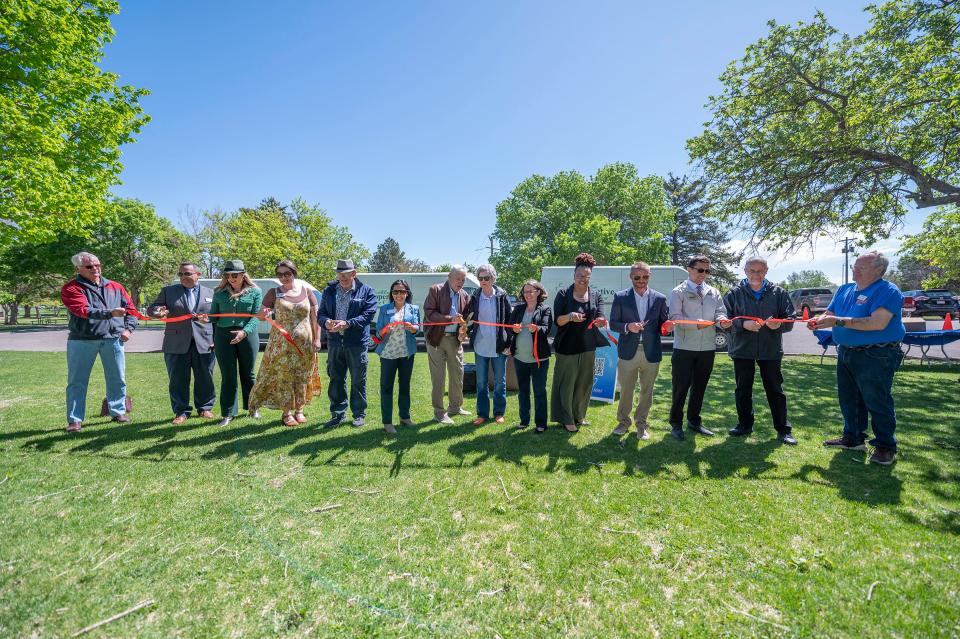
[
  {"x": 690, "y": 372},
  {"x": 772, "y": 378}
]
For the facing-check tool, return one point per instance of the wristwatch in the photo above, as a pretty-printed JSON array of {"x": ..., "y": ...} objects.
[{"x": 841, "y": 323}]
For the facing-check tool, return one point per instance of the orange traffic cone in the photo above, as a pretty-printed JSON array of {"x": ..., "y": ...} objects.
[
  {"x": 806, "y": 314},
  {"x": 948, "y": 322}
]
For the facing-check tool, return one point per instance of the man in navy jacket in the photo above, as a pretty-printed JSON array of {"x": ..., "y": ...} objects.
[
  {"x": 637, "y": 314},
  {"x": 346, "y": 309}
]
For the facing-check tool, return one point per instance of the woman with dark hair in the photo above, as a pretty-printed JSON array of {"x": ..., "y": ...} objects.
[
  {"x": 288, "y": 378},
  {"x": 531, "y": 317},
  {"x": 397, "y": 348},
  {"x": 578, "y": 310},
  {"x": 235, "y": 339}
]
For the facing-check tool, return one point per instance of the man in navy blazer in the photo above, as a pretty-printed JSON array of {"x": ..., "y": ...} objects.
[
  {"x": 188, "y": 345},
  {"x": 637, "y": 314}
]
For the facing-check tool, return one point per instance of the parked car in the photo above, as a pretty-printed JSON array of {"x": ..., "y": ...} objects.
[
  {"x": 934, "y": 301},
  {"x": 815, "y": 300}
]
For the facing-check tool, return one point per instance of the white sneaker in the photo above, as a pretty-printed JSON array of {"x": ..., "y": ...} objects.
[
  {"x": 445, "y": 419},
  {"x": 464, "y": 412},
  {"x": 643, "y": 433}
]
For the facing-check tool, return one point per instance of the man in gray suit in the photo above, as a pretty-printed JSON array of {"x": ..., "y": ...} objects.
[{"x": 187, "y": 345}]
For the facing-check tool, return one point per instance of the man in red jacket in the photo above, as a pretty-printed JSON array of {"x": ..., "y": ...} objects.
[{"x": 99, "y": 325}]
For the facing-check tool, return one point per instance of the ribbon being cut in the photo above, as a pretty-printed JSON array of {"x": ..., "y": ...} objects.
[
  {"x": 184, "y": 318},
  {"x": 379, "y": 337},
  {"x": 669, "y": 324}
]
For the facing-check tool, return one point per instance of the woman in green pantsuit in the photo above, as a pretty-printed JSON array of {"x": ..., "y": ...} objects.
[
  {"x": 236, "y": 340},
  {"x": 574, "y": 309}
]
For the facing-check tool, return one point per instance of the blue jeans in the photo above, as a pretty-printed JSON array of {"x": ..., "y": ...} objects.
[
  {"x": 499, "y": 386},
  {"x": 525, "y": 374},
  {"x": 81, "y": 354},
  {"x": 864, "y": 385},
  {"x": 389, "y": 370},
  {"x": 340, "y": 361}
]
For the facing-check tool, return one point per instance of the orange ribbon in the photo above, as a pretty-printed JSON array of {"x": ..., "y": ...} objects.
[
  {"x": 378, "y": 337},
  {"x": 184, "y": 318}
]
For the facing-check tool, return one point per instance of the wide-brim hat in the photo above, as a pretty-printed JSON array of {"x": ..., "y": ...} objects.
[
  {"x": 233, "y": 266},
  {"x": 345, "y": 266}
]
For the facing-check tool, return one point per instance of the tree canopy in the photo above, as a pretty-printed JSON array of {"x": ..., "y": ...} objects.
[
  {"x": 936, "y": 247},
  {"x": 815, "y": 131},
  {"x": 388, "y": 258},
  {"x": 264, "y": 235},
  {"x": 697, "y": 230},
  {"x": 62, "y": 119},
  {"x": 807, "y": 278},
  {"x": 616, "y": 215}
]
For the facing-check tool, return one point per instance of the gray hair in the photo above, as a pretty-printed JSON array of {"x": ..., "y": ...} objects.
[
  {"x": 82, "y": 257},
  {"x": 880, "y": 261},
  {"x": 489, "y": 269},
  {"x": 755, "y": 260},
  {"x": 640, "y": 266},
  {"x": 458, "y": 268}
]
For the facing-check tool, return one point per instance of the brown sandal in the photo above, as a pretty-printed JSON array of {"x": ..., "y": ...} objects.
[{"x": 289, "y": 420}]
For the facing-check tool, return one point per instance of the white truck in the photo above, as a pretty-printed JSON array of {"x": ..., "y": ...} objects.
[
  {"x": 610, "y": 279},
  {"x": 419, "y": 283}
]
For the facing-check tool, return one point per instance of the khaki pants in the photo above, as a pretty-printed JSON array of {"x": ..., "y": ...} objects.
[
  {"x": 633, "y": 372},
  {"x": 444, "y": 359}
]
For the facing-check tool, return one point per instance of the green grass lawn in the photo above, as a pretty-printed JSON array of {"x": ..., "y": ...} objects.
[{"x": 463, "y": 531}]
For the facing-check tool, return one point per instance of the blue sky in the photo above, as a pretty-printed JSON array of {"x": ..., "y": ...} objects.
[{"x": 411, "y": 118}]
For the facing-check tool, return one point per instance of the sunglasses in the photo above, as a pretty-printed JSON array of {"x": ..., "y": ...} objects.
[
  {"x": 485, "y": 278},
  {"x": 399, "y": 291},
  {"x": 640, "y": 278},
  {"x": 186, "y": 274},
  {"x": 282, "y": 274},
  {"x": 233, "y": 275},
  {"x": 702, "y": 270}
]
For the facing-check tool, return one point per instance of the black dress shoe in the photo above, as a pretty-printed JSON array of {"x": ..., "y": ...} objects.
[
  {"x": 336, "y": 420},
  {"x": 788, "y": 439},
  {"x": 677, "y": 433},
  {"x": 740, "y": 431},
  {"x": 701, "y": 430}
]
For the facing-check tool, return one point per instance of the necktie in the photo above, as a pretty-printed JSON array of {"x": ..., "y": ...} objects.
[{"x": 700, "y": 290}]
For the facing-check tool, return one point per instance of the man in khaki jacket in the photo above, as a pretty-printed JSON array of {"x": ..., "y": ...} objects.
[{"x": 446, "y": 303}]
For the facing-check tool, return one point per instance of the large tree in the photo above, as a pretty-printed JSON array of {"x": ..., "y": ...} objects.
[
  {"x": 264, "y": 235},
  {"x": 62, "y": 118},
  {"x": 137, "y": 247},
  {"x": 616, "y": 215},
  {"x": 697, "y": 230},
  {"x": 932, "y": 257},
  {"x": 388, "y": 258},
  {"x": 815, "y": 132}
]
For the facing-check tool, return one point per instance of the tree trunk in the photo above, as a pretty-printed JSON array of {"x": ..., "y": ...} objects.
[
  {"x": 26, "y": 311},
  {"x": 12, "y": 312}
]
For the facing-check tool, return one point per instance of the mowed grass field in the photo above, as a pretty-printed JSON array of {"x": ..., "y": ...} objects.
[{"x": 457, "y": 531}]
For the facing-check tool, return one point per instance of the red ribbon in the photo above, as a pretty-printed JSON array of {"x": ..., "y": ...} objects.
[
  {"x": 184, "y": 318},
  {"x": 379, "y": 336},
  {"x": 664, "y": 329}
]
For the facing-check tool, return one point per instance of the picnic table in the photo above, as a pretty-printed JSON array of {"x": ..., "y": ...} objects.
[{"x": 924, "y": 339}]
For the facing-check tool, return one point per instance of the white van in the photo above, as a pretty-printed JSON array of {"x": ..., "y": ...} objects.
[
  {"x": 610, "y": 279},
  {"x": 419, "y": 283}
]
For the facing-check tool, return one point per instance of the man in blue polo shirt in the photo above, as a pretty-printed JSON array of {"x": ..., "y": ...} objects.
[{"x": 867, "y": 328}]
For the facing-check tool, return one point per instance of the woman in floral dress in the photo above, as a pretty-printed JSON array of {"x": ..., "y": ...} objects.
[{"x": 288, "y": 380}]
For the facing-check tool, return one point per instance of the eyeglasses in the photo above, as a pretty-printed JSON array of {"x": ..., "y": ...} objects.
[
  {"x": 282, "y": 274},
  {"x": 91, "y": 266},
  {"x": 640, "y": 278},
  {"x": 702, "y": 270},
  {"x": 484, "y": 278},
  {"x": 751, "y": 271},
  {"x": 182, "y": 274},
  {"x": 399, "y": 291},
  {"x": 233, "y": 275}
]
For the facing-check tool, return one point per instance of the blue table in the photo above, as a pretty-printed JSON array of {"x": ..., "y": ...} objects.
[{"x": 924, "y": 339}]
